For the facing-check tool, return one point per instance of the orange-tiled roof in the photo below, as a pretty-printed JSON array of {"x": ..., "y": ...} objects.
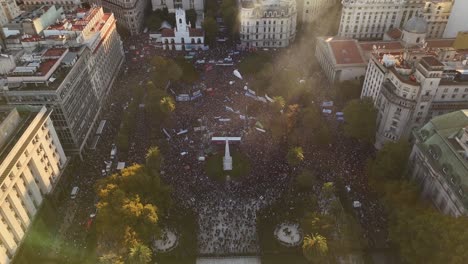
[
  {"x": 167, "y": 33},
  {"x": 45, "y": 66},
  {"x": 346, "y": 51},
  {"x": 195, "y": 32},
  {"x": 54, "y": 52},
  {"x": 440, "y": 43},
  {"x": 394, "y": 33}
]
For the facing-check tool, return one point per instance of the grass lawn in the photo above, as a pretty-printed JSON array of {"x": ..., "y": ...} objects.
[{"x": 214, "y": 166}]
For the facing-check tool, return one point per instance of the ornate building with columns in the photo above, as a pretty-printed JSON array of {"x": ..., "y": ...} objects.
[
  {"x": 31, "y": 163},
  {"x": 268, "y": 23},
  {"x": 370, "y": 19},
  {"x": 439, "y": 162}
]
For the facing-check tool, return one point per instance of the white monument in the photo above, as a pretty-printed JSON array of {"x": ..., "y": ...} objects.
[{"x": 227, "y": 159}]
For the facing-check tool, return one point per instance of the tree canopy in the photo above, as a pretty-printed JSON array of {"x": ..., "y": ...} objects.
[
  {"x": 130, "y": 205},
  {"x": 361, "y": 118},
  {"x": 391, "y": 161},
  {"x": 295, "y": 156},
  {"x": 211, "y": 29}
]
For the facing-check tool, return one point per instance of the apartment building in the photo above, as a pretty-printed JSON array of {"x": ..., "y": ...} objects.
[
  {"x": 173, "y": 5},
  {"x": 70, "y": 69},
  {"x": 268, "y": 23},
  {"x": 370, "y": 19},
  {"x": 458, "y": 20},
  {"x": 130, "y": 14},
  {"x": 31, "y": 163},
  {"x": 67, "y": 5},
  {"x": 410, "y": 88},
  {"x": 314, "y": 9}
]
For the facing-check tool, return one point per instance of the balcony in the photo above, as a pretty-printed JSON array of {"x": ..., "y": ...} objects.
[{"x": 388, "y": 91}]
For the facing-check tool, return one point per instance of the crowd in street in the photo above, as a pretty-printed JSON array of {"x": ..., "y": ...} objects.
[{"x": 227, "y": 210}]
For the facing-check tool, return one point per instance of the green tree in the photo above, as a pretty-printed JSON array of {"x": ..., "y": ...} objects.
[
  {"x": 306, "y": 179},
  {"x": 211, "y": 29},
  {"x": 167, "y": 104},
  {"x": 295, "y": 156},
  {"x": 189, "y": 72},
  {"x": 391, "y": 161},
  {"x": 139, "y": 254},
  {"x": 229, "y": 12},
  {"x": 130, "y": 205},
  {"x": 153, "y": 22},
  {"x": 348, "y": 90},
  {"x": 315, "y": 248},
  {"x": 191, "y": 16},
  {"x": 314, "y": 222},
  {"x": 165, "y": 70},
  {"x": 110, "y": 258},
  {"x": 328, "y": 190},
  {"x": 154, "y": 159},
  {"x": 361, "y": 118},
  {"x": 279, "y": 103}
]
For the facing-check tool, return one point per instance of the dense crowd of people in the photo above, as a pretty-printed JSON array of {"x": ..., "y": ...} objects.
[{"x": 226, "y": 211}]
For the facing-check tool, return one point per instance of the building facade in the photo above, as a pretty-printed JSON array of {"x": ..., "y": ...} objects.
[
  {"x": 73, "y": 79},
  {"x": 370, "y": 19},
  {"x": 437, "y": 14},
  {"x": 67, "y": 5},
  {"x": 129, "y": 14},
  {"x": 183, "y": 37},
  {"x": 340, "y": 59},
  {"x": 314, "y": 9},
  {"x": 31, "y": 163},
  {"x": 8, "y": 10},
  {"x": 173, "y": 5},
  {"x": 269, "y": 23},
  {"x": 439, "y": 162},
  {"x": 458, "y": 20},
  {"x": 33, "y": 22},
  {"x": 410, "y": 89}
]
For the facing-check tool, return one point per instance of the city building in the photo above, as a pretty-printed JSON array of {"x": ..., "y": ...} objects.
[
  {"x": 347, "y": 59},
  {"x": 340, "y": 59},
  {"x": 31, "y": 163},
  {"x": 67, "y": 5},
  {"x": 183, "y": 37},
  {"x": 69, "y": 68},
  {"x": 437, "y": 13},
  {"x": 173, "y": 5},
  {"x": 33, "y": 22},
  {"x": 411, "y": 86},
  {"x": 370, "y": 19},
  {"x": 8, "y": 10},
  {"x": 439, "y": 162},
  {"x": 270, "y": 23},
  {"x": 130, "y": 14},
  {"x": 458, "y": 20},
  {"x": 314, "y": 9}
]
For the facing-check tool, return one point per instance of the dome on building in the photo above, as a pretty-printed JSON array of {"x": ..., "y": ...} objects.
[{"x": 416, "y": 24}]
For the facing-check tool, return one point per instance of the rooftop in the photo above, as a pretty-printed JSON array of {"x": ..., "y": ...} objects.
[
  {"x": 394, "y": 33},
  {"x": 432, "y": 61},
  {"x": 345, "y": 51}
]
